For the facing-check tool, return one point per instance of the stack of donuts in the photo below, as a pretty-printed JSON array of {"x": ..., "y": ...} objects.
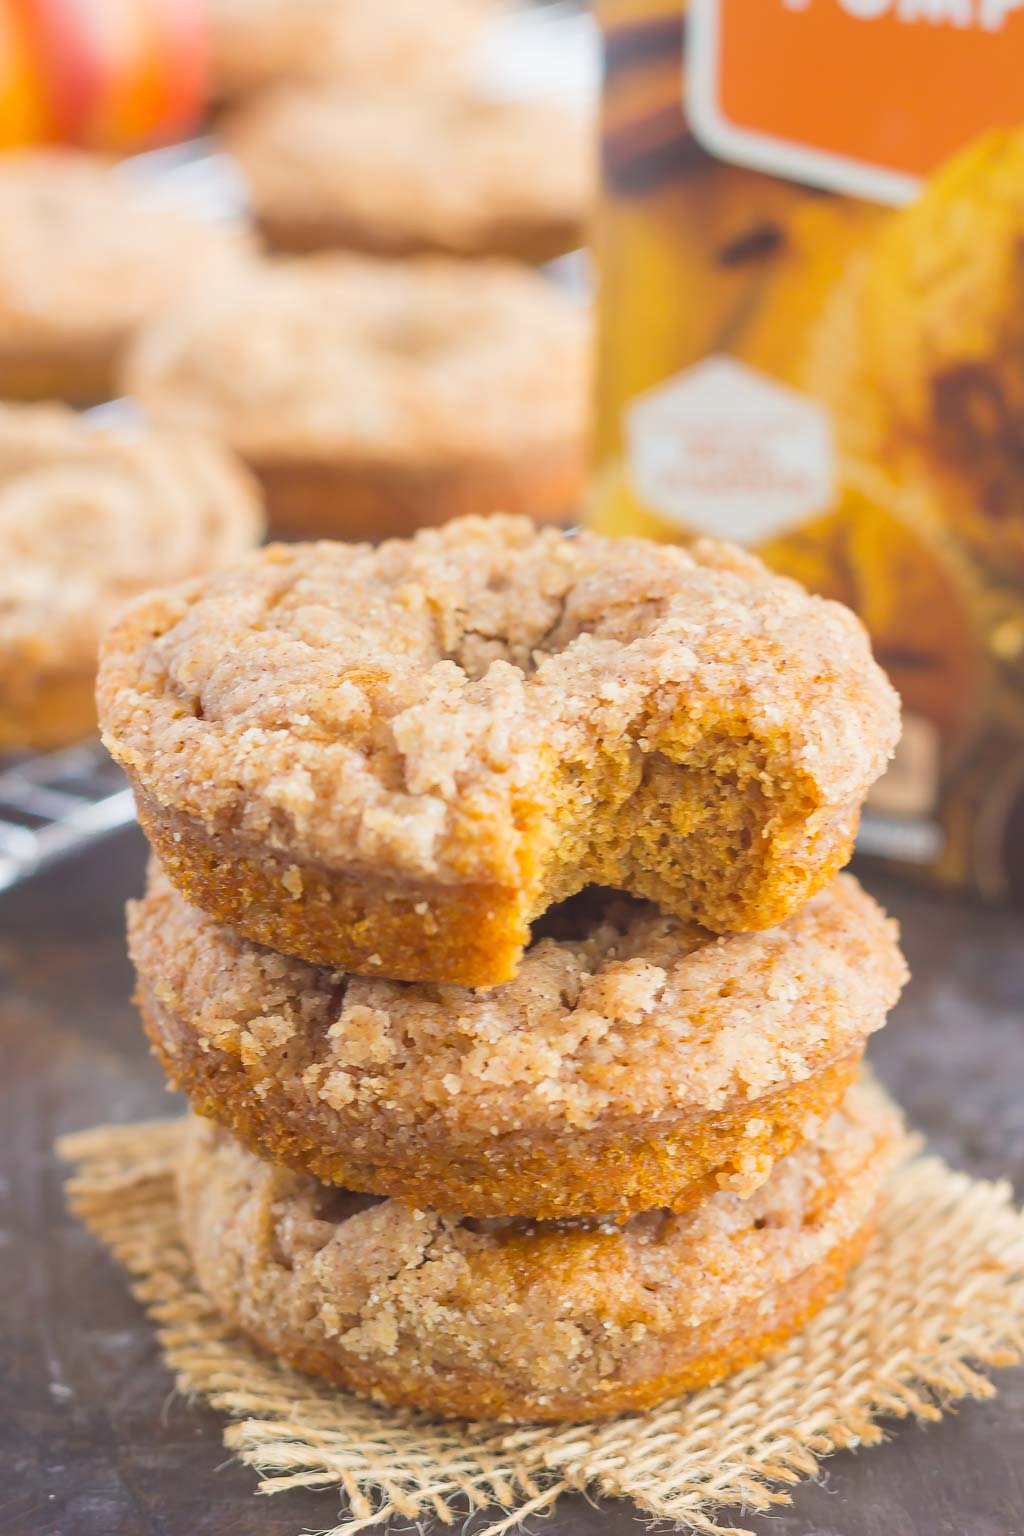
[{"x": 495, "y": 933}]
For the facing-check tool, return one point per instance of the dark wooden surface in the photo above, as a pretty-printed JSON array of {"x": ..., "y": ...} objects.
[{"x": 93, "y": 1441}]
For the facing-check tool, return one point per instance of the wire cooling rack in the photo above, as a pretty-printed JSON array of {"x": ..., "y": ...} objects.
[{"x": 56, "y": 802}]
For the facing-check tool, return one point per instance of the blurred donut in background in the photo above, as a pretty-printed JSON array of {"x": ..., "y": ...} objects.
[
  {"x": 88, "y": 519},
  {"x": 261, "y": 42},
  {"x": 394, "y": 173},
  {"x": 372, "y": 398},
  {"x": 86, "y": 254}
]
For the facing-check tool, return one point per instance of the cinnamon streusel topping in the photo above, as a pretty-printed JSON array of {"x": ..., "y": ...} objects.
[
  {"x": 633, "y": 1061},
  {"x": 86, "y": 252}
]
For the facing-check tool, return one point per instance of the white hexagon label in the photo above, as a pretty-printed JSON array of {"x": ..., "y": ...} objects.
[{"x": 725, "y": 450}]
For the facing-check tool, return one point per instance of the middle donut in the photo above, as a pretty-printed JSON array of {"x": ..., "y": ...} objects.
[{"x": 635, "y": 1061}]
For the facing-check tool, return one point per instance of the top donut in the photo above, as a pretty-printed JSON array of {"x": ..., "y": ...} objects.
[{"x": 391, "y": 760}]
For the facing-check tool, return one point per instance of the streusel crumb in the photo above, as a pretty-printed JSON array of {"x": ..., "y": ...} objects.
[{"x": 338, "y": 354}]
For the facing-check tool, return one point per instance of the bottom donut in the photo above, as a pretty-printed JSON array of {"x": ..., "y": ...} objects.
[{"x": 523, "y": 1320}]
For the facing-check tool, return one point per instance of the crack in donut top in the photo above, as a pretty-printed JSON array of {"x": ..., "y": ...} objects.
[{"x": 369, "y": 704}]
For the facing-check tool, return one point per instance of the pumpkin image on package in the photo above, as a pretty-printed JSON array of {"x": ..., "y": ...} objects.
[{"x": 811, "y": 341}]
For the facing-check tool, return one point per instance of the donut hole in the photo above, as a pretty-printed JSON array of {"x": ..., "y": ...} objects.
[
  {"x": 334, "y": 1205},
  {"x": 574, "y": 920}
]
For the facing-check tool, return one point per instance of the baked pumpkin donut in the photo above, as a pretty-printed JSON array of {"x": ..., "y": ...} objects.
[
  {"x": 635, "y": 1061},
  {"x": 88, "y": 519},
  {"x": 391, "y": 761},
  {"x": 86, "y": 254},
  {"x": 255, "y": 43},
  {"x": 521, "y": 1320},
  {"x": 395, "y": 173},
  {"x": 372, "y": 398}
]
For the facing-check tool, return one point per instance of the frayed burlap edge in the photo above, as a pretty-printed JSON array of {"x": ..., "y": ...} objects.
[{"x": 939, "y": 1294}]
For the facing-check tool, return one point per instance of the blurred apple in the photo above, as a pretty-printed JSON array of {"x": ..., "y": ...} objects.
[
  {"x": 110, "y": 75},
  {"x": 23, "y": 112}
]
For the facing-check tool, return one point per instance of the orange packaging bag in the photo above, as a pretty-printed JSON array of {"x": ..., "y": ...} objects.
[{"x": 811, "y": 341}]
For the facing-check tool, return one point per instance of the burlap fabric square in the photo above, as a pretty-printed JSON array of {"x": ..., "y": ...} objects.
[{"x": 939, "y": 1295}]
